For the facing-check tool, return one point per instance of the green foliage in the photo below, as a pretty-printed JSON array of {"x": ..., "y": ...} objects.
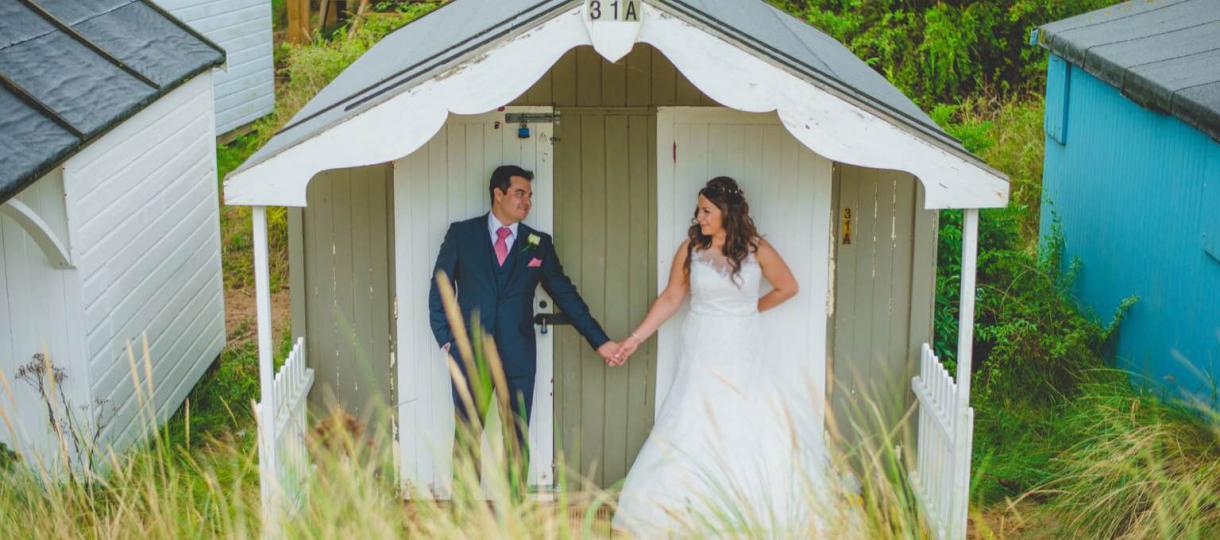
[
  {"x": 165, "y": 489},
  {"x": 943, "y": 51},
  {"x": 303, "y": 70},
  {"x": 1031, "y": 343},
  {"x": 1052, "y": 424},
  {"x": 221, "y": 404},
  {"x": 7, "y": 457}
]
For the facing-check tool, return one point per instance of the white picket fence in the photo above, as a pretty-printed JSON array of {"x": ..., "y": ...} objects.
[
  {"x": 946, "y": 432},
  {"x": 284, "y": 464}
]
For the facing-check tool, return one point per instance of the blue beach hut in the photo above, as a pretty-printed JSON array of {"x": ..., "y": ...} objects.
[{"x": 1132, "y": 178}]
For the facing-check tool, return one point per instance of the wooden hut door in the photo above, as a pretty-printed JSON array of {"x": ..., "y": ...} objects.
[
  {"x": 605, "y": 235},
  {"x": 442, "y": 182},
  {"x": 789, "y": 191}
]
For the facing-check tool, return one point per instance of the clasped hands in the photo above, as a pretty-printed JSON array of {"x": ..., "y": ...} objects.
[{"x": 616, "y": 353}]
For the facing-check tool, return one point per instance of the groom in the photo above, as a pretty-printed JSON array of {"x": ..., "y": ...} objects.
[{"x": 496, "y": 263}]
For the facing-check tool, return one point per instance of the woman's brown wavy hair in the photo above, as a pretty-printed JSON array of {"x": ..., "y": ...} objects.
[{"x": 741, "y": 236}]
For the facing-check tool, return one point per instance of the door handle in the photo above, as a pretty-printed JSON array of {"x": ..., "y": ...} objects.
[{"x": 546, "y": 320}]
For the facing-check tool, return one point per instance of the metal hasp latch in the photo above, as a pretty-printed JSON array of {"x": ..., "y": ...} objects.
[
  {"x": 524, "y": 119},
  {"x": 545, "y": 320}
]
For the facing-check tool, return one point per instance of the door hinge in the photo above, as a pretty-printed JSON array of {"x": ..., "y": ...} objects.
[
  {"x": 394, "y": 310},
  {"x": 675, "y": 151}
]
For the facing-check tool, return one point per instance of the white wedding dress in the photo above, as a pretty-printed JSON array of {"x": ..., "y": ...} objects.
[{"x": 722, "y": 452}]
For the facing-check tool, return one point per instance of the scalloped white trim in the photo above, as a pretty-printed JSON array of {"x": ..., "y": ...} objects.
[{"x": 824, "y": 123}]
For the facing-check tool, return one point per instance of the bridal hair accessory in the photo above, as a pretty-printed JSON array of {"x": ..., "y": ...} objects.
[{"x": 728, "y": 190}]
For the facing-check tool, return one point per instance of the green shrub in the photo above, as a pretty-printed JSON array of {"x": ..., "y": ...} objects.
[
  {"x": 944, "y": 51},
  {"x": 302, "y": 72},
  {"x": 1031, "y": 343}
]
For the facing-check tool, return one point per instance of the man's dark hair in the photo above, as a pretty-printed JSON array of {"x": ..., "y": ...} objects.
[{"x": 502, "y": 177}]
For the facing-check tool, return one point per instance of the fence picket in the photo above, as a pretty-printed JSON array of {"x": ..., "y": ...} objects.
[
  {"x": 946, "y": 433},
  {"x": 285, "y": 420}
]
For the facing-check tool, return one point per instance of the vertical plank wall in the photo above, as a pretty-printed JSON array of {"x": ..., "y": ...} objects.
[
  {"x": 346, "y": 292},
  {"x": 643, "y": 78},
  {"x": 598, "y": 238},
  {"x": 38, "y": 314},
  {"x": 885, "y": 256},
  {"x": 606, "y": 238},
  {"x": 1135, "y": 194}
]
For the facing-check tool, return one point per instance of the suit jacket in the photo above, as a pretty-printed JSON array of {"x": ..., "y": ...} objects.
[{"x": 503, "y": 297}]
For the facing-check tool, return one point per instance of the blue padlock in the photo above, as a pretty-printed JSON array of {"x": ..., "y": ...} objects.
[{"x": 523, "y": 132}]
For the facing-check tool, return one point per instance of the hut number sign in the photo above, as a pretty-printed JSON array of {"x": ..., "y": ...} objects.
[{"x": 613, "y": 10}]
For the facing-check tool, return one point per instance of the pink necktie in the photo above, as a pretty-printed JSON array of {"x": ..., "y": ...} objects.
[{"x": 502, "y": 245}]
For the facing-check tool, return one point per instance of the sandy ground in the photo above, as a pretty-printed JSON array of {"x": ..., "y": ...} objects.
[{"x": 240, "y": 315}]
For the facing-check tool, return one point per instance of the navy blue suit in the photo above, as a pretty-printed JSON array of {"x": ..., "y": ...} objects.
[{"x": 503, "y": 299}]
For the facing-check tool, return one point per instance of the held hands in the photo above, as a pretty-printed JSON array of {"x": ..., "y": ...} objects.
[
  {"x": 624, "y": 351},
  {"x": 609, "y": 351},
  {"x": 628, "y": 348}
]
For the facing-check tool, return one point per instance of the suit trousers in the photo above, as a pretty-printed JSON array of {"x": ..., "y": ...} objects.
[{"x": 466, "y": 443}]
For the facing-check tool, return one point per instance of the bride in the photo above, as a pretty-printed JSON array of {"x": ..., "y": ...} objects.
[{"x": 719, "y": 455}]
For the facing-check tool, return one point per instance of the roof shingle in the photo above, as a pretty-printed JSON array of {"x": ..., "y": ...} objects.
[
  {"x": 72, "y": 69},
  {"x": 1163, "y": 54}
]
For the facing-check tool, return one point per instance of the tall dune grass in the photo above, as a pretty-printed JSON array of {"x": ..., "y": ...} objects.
[
  {"x": 1142, "y": 467},
  {"x": 168, "y": 490}
]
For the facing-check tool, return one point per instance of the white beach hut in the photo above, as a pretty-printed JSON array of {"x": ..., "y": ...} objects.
[
  {"x": 109, "y": 228},
  {"x": 623, "y": 110}
]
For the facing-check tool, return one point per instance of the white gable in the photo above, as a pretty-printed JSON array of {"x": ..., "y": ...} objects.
[{"x": 825, "y": 122}]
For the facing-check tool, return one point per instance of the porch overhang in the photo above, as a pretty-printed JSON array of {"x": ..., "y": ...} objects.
[{"x": 390, "y": 122}]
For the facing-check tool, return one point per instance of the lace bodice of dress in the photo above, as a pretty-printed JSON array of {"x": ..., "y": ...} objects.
[{"x": 716, "y": 291}]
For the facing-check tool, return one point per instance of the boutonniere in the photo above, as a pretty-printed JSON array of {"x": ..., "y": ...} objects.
[{"x": 531, "y": 242}]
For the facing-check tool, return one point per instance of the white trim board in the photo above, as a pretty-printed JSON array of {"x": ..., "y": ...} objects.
[{"x": 40, "y": 231}]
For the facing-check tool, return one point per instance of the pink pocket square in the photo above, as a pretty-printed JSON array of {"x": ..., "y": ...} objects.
[{"x": 535, "y": 263}]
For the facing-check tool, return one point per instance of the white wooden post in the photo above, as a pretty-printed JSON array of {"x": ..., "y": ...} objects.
[
  {"x": 963, "y": 438},
  {"x": 267, "y": 454}
]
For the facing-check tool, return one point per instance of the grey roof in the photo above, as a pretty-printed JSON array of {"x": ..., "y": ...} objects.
[
  {"x": 72, "y": 69},
  {"x": 1163, "y": 54},
  {"x": 452, "y": 33}
]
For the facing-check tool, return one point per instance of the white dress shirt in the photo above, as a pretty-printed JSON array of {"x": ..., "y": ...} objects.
[{"x": 494, "y": 225}]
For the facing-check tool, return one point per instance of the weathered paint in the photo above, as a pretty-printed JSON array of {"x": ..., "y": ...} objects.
[
  {"x": 1135, "y": 193},
  {"x": 885, "y": 246},
  {"x": 644, "y": 78},
  {"x": 346, "y": 289},
  {"x": 605, "y": 235},
  {"x": 443, "y": 182},
  {"x": 835, "y": 128}
]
